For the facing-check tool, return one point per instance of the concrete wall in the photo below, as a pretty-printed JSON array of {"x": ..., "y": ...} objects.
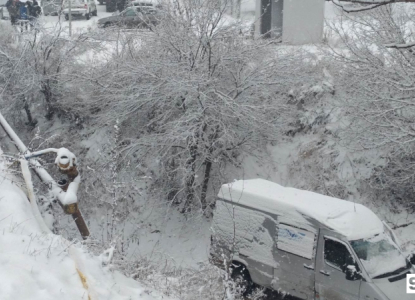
[
  {"x": 277, "y": 17},
  {"x": 303, "y": 21},
  {"x": 257, "y": 18}
]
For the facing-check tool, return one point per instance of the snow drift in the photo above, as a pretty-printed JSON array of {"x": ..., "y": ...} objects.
[{"x": 42, "y": 266}]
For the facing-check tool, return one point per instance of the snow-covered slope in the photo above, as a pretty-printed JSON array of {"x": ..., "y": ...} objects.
[{"x": 43, "y": 266}]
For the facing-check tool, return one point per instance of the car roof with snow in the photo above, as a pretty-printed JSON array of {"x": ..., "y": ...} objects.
[
  {"x": 144, "y": 3},
  {"x": 352, "y": 220}
]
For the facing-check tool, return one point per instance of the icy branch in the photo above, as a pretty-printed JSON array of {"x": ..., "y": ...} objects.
[
  {"x": 400, "y": 46},
  {"x": 363, "y": 5}
]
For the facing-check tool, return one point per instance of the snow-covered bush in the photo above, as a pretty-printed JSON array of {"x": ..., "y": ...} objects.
[
  {"x": 205, "y": 283},
  {"x": 194, "y": 95},
  {"x": 39, "y": 69},
  {"x": 376, "y": 72}
]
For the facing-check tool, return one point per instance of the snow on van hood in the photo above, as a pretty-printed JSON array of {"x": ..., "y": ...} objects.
[{"x": 354, "y": 221}]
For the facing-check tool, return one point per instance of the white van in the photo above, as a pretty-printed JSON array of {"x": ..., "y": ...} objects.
[{"x": 306, "y": 244}]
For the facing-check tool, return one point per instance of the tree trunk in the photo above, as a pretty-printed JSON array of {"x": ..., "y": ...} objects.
[
  {"x": 205, "y": 184},
  {"x": 46, "y": 90},
  {"x": 191, "y": 163},
  {"x": 30, "y": 121}
]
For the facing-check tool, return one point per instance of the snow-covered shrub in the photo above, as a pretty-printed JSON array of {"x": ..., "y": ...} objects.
[
  {"x": 205, "y": 283},
  {"x": 311, "y": 101},
  {"x": 194, "y": 95},
  {"x": 376, "y": 75},
  {"x": 39, "y": 70}
]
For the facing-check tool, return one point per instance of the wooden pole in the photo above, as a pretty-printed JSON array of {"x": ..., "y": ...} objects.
[
  {"x": 73, "y": 209},
  {"x": 45, "y": 177}
]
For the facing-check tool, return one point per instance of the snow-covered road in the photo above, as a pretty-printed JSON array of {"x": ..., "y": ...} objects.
[{"x": 78, "y": 24}]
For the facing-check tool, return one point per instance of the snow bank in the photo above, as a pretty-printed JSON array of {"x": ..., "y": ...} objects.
[
  {"x": 15, "y": 215},
  {"x": 354, "y": 221},
  {"x": 41, "y": 266}
]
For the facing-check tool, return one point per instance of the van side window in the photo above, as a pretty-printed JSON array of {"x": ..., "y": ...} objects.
[{"x": 337, "y": 255}]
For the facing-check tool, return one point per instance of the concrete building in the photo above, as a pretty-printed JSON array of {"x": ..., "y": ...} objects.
[{"x": 296, "y": 21}]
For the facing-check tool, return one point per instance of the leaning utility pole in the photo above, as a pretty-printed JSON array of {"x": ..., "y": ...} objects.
[{"x": 66, "y": 161}]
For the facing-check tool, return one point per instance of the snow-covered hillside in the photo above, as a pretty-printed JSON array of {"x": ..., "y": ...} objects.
[
  {"x": 136, "y": 226},
  {"x": 42, "y": 266}
]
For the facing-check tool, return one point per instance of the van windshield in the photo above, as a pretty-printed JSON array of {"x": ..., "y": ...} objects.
[{"x": 380, "y": 256}]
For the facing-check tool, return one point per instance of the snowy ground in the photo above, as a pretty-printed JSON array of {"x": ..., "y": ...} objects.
[
  {"x": 78, "y": 24},
  {"x": 41, "y": 266},
  {"x": 167, "y": 236},
  {"x": 184, "y": 240}
]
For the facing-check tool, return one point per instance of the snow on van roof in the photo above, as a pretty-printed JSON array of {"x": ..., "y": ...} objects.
[{"x": 354, "y": 221}]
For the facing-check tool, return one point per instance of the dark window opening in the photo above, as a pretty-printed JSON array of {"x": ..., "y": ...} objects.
[
  {"x": 337, "y": 254},
  {"x": 266, "y": 18}
]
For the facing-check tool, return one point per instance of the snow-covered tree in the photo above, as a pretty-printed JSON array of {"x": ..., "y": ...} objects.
[
  {"x": 193, "y": 95},
  {"x": 364, "y": 5},
  {"x": 377, "y": 73},
  {"x": 38, "y": 69}
]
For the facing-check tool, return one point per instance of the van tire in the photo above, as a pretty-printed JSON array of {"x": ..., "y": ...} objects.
[{"x": 241, "y": 277}]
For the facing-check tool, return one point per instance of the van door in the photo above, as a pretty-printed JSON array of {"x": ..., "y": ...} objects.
[
  {"x": 294, "y": 253},
  {"x": 333, "y": 256}
]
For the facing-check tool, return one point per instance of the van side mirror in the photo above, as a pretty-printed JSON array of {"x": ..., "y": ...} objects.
[{"x": 352, "y": 273}]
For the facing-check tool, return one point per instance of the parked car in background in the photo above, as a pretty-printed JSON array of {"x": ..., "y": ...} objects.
[
  {"x": 305, "y": 244},
  {"x": 51, "y": 7},
  {"x": 81, "y": 8},
  {"x": 136, "y": 16},
  {"x": 145, "y": 3},
  {"x": 139, "y": 3}
]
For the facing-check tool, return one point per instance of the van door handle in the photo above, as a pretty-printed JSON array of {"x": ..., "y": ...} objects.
[
  {"x": 324, "y": 272},
  {"x": 310, "y": 267}
]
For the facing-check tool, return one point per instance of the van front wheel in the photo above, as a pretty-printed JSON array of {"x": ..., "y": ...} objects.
[{"x": 242, "y": 279}]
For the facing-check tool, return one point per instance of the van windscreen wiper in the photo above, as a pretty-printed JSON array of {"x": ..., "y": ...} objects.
[{"x": 396, "y": 272}]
